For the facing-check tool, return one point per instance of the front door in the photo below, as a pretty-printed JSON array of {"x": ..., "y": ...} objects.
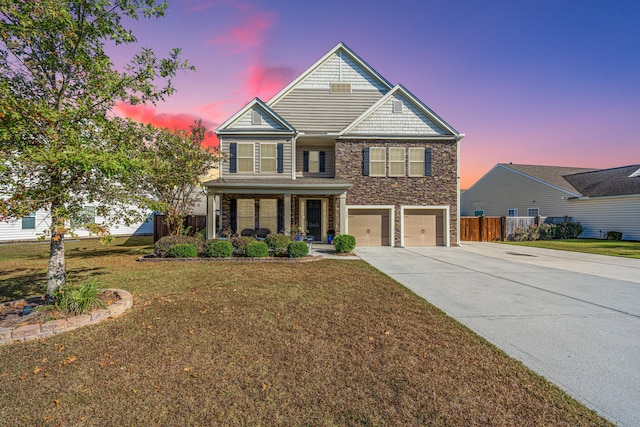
[{"x": 314, "y": 218}]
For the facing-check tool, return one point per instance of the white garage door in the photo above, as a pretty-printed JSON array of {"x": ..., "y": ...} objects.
[
  {"x": 370, "y": 227},
  {"x": 424, "y": 227}
]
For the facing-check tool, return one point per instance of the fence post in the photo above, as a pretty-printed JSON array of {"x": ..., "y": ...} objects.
[{"x": 503, "y": 228}]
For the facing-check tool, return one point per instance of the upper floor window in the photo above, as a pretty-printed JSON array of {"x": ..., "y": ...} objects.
[
  {"x": 533, "y": 211},
  {"x": 512, "y": 212},
  {"x": 377, "y": 161},
  {"x": 313, "y": 161},
  {"x": 29, "y": 221},
  {"x": 396, "y": 161},
  {"x": 268, "y": 158},
  {"x": 245, "y": 157},
  {"x": 416, "y": 161}
]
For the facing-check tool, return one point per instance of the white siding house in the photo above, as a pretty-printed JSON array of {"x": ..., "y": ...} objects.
[{"x": 601, "y": 200}]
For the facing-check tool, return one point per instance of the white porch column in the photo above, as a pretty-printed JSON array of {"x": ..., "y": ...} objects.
[
  {"x": 343, "y": 213},
  {"x": 211, "y": 216},
  {"x": 287, "y": 211}
]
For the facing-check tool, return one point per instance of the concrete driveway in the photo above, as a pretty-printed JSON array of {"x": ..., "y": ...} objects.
[{"x": 573, "y": 318}]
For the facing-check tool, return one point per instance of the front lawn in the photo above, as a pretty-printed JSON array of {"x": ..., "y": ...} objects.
[
  {"x": 327, "y": 343},
  {"x": 627, "y": 249}
]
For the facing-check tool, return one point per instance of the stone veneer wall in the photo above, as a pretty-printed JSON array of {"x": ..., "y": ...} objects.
[{"x": 438, "y": 189}]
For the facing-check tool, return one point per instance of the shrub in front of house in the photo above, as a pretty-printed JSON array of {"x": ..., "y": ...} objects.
[
  {"x": 568, "y": 230},
  {"x": 162, "y": 247},
  {"x": 239, "y": 244},
  {"x": 613, "y": 235},
  {"x": 183, "y": 250},
  {"x": 219, "y": 249},
  {"x": 278, "y": 243},
  {"x": 297, "y": 249},
  {"x": 344, "y": 243},
  {"x": 256, "y": 249},
  {"x": 547, "y": 231}
]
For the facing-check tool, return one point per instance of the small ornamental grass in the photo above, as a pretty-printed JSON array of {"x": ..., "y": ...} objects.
[
  {"x": 183, "y": 250},
  {"x": 219, "y": 249},
  {"x": 257, "y": 249},
  {"x": 344, "y": 243},
  {"x": 297, "y": 249},
  {"x": 78, "y": 301}
]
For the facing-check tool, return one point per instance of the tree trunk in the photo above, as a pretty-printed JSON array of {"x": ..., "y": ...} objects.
[{"x": 56, "y": 275}]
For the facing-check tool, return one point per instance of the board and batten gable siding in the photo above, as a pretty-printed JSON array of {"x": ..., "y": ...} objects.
[
  {"x": 245, "y": 122},
  {"x": 602, "y": 214},
  {"x": 502, "y": 189},
  {"x": 12, "y": 230},
  {"x": 311, "y": 107},
  {"x": 287, "y": 156},
  {"x": 410, "y": 121}
]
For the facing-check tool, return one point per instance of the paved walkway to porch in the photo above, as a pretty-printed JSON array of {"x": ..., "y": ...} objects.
[{"x": 328, "y": 251}]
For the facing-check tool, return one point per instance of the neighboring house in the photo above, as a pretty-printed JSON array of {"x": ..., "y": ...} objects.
[
  {"x": 600, "y": 199},
  {"x": 339, "y": 150},
  {"x": 34, "y": 226}
]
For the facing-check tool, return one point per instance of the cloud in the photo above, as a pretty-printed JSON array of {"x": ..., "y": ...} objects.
[
  {"x": 249, "y": 33},
  {"x": 264, "y": 81},
  {"x": 149, "y": 115}
]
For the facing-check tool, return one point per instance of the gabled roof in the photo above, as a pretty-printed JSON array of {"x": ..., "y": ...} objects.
[
  {"x": 240, "y": 122},
  {"x": 553, "y": 175},
  {"x": 340, "y": 48},
  {"x": 619, "y": 181},
  {"x": 417, "y": 118}
]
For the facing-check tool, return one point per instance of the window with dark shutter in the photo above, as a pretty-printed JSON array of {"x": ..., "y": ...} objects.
[
  {"x": 427, "y": 162},
  {"x": 233, "y": 157},
  {"x": 280, "y": 158}
]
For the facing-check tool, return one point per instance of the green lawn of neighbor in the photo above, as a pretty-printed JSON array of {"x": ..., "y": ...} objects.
[
  {"x": 328, "y": 343},
  {"x": 628, "y": 249}
]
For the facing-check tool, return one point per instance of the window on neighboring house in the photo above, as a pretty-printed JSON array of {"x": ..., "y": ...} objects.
[
  {"x": 87, "y": 216},
  {"x": 512, "y": 212},
  {"x": 245, "y": 158},
  {"x": 478, "y": 213},
  {"x": 533, "y": 211},
  {"x": 269, "y": 214},
  {"x": 377, "y": 161},
  {"x": 396, "y": 161},
  {"x": 268, "y": 158},
  {"x": 245, "y": 214},
  {"x": 29, "y": 221},
  {"x": 416, "y": 161}
]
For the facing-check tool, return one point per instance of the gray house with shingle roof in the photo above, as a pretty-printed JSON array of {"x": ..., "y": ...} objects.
[{"x": 600, "y": 199}]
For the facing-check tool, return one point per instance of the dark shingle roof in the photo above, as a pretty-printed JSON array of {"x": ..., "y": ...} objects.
[
  {"x": 607, "y": 182},
  {"x": 553, "y": 175}
]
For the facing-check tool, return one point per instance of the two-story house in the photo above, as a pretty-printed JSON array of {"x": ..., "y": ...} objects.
[{"x": 339, "y": 149}]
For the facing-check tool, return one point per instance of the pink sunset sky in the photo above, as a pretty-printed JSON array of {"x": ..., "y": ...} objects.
[{"x": 550, "y": 82}]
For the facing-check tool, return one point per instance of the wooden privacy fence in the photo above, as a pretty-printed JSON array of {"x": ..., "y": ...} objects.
[
  {"x": 160, "y": 229},
  {"x": 482, "y": 228}
]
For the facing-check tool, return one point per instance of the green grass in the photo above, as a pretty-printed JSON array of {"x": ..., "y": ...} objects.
[
  {"x": 627, "y": 249},
  {"x": 324, "y": 343}
]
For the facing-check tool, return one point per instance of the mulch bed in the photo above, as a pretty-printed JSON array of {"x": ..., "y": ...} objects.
[{"x": 13, "y": 314}]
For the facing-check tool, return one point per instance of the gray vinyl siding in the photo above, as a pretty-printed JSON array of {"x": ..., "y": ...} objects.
[
  {"x": 602, "y": 214},
  {"x": 503, "y": 189},
  {"x": 329, "y": 160},
  {"x": 287, "y": 157},
  {"x": 244, "y": 122},
  {"x": 320, "y": 111},
  {"x": 411, "y": 121}
]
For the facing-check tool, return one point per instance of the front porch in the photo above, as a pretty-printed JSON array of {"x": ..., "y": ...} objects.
[{"x": 314, "y": 205}]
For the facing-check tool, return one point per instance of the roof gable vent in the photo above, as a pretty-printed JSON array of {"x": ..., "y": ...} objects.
[
  {"x": 397, "y": 106},
  {"x": 340, "y": 87},
  {"x": 256, "y": 118}
]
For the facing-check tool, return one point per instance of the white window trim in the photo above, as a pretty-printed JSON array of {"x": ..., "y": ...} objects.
[
  {"x": 404, "y": 165},
  {"x": 530, "y": 209},
  {"x": 253, "y": 157},
  {"x": 515, "y": 210},
  {"x": 371, "y": 161},
  {"x": 275, "y": 157},
  {"x": 420, "y": 161}
]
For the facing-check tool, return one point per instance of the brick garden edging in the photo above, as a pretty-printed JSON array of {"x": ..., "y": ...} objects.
[
  {"x": 53, "y": 327},
  {"x": 153, "y": 258}
]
